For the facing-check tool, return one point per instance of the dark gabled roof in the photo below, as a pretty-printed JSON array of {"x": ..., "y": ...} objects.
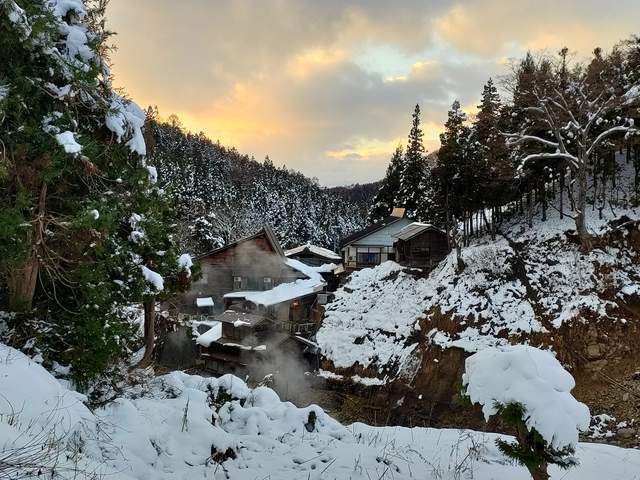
[
  {"x": 414, "y": 229},
  {"x": 369, "y": 230},
  {"x": 265, "y": 230}
]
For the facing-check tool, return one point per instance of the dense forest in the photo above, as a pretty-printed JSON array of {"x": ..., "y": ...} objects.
[
  {"x": 221, "y": 194},
  {"x": 553, "y": 134}
]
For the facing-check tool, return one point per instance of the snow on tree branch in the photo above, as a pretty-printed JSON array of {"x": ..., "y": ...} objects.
[{"x": 534, "y": 379}]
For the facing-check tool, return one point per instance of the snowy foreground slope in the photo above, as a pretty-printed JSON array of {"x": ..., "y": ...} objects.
[
  {"x": 164, "y": 430},
  {"x": 526, "y": 281}
]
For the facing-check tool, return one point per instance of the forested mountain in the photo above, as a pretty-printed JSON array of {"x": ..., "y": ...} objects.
[
  {"x": 222, "y": 195},
  {"x": 360, "y": 194}
]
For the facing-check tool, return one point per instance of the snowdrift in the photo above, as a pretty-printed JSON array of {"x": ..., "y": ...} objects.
[{"x": 180, "y": 426}]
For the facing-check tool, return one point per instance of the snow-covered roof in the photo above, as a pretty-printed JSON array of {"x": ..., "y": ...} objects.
[
  {"x": 282, "y": 293},
  {"x": 239, "y": 319},
  {"x": 211, "y": 335},
  {"x": 368, "y": 230},
  {"x": 204, "y": 302},
  {"x": 285, "y": 292},
  {"x": 315, "y": 250},
  {"x": 413, "y": 229}
]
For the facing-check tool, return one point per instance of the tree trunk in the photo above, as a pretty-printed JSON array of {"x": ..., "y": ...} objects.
[
  {"x": 22, "y": 284},
  {"x": 563, "y": 172},
  {"x": 149, "y": 331},
  {"x": 22, "y": 280},
  {"x": 539, "y": 473},
  {"x": 581, "y": 206}
]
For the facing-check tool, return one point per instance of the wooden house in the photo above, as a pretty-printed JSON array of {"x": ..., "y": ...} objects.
[
  {"x": 374, "y": 244},
  {"x": 421, "y": 245},
  {"x": 236, "y": 340},
  {"x": 261, "y": 300},
  {"x": 255, "y": 263}
]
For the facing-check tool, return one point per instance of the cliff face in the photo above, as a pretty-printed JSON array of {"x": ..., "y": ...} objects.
[{"x": 412, "y": 332}]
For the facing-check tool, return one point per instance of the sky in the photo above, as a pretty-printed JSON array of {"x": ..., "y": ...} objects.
[{"x": 327, "y": 87}]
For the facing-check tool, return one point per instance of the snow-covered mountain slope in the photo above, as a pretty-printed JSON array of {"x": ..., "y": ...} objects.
[
  {"x": 180, "y": 426},
  {"x": 525, "y": 282}
]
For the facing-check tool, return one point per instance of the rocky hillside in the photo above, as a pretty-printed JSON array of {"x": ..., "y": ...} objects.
[{"x": 407, "y": 333}]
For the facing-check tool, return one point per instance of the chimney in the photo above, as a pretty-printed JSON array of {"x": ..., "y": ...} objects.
[{"x": 397, "y": 212}]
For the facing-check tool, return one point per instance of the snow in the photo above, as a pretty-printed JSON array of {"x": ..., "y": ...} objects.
[
  {"x": 137, "y": 232},
  {"x": 326, "y": 268},
  {"x": 632, "y": 95},
  {"x": 60, "y": 8},
  {"x": 526, "y": 281},
  {"x": 534, "y": 379},
  {"x": 42, "y": 399},
  {"x": 310, "y": 272},
  {"x": 77, "y": 43},
  {"x": 153, "y": 174},
  {"x": 320, "y": 251},
  {"x": 204, "y": 302},
  {"x": 126, "y": 120},
  {"x": 185, "y": 262},
  {"x": 166, "y": 429},
  {"x": 372, "y": 317},
  {"x": 281, "y": 293},
  {"x": 286, "y": 291},
  {"x": 68, "y": 142},
  {"x": 211, "y": 335},
  {"x": 368, "y": 381},
  {"x": 153, "y": 278}
]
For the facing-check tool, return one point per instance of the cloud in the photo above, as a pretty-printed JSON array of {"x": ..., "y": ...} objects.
[{"x": 328, "y": 87}]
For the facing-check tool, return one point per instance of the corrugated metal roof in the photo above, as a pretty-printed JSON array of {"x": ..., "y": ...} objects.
[
  {"x": 369, "y": 230},
  {"x": 413, "y": 229}
]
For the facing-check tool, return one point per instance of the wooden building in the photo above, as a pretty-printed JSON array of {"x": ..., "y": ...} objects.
[
  {"x": 374, "y": 244},
  {"x": 421, "y": 245},
  {"x": 261, "y": 300},
  {"x": 255, "y": 263},
  {"x": 235, "y": 340}
]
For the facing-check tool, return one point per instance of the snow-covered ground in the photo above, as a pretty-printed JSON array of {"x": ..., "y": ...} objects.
[
  {"x": 174, "y": 426},
  {"x": 543, "y": 283}
]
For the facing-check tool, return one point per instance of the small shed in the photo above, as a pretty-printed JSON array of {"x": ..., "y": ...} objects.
[{"x": 421, "y": 245}]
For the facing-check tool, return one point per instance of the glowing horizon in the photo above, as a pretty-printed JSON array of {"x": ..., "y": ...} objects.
[{"x": 328, "y": 87}]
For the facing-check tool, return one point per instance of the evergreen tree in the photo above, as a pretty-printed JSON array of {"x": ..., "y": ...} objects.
[
  {"x": 412, "y": 177},
  {"x": 449, "y": 189},
  {"x": 72, "y": 175},
  {"x": 385, "y": 199},
  {"x": 493, "y": 167}
]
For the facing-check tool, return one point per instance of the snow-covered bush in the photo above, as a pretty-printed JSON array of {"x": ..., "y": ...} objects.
[{"x": 528, "y": 389}]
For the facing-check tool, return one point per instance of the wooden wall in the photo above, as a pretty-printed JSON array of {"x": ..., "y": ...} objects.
[
  {"x": 425, "y": 250},
  {"x": 253, "y": 260}
]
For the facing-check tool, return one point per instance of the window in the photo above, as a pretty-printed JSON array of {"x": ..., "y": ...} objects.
[
  {"x": 237, "y": 283},
  {"x": 368, "y": 256},
  {"x": 268, "y": 283}
]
